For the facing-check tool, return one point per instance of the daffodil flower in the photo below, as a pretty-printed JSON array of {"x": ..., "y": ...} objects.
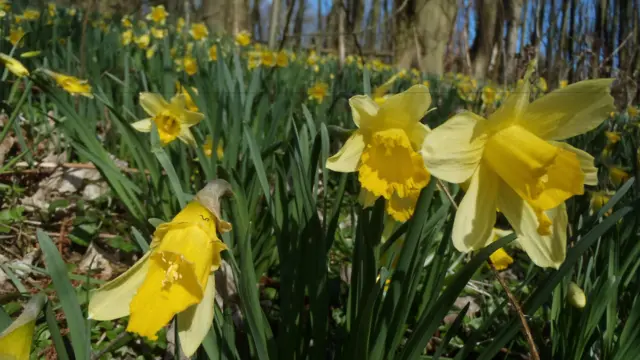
[
  {"x": 172, "y": 119},
  {"x": 576, "y": 296},
  {"x": 384, "y": 150},
  {"x": 380, "y": 93},
  {"x": 15, "y": 341},
  {"x": 71, "y": 84},
  {"x": 318, "y": 91},
  {"x": 199, "y": 31},
  {"x": 158, "y": 14},
  {"x": 515, "y": 164},
  {"x": 175, "y": 277},
  {"x": 13, "y": 65},
  {"x": 500, "y": 258},
  {"x": 243, "y": 38}
]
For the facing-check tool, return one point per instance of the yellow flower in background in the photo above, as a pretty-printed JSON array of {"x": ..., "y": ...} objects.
[
  {"x": 158, "y": 33},
  {"x": 617, "y": 175},
  {"x": 172, "y": 119},
  {"x": 15, "y": 341},
  {"x": 598, "y": 200},
  {"x": 126, "y": 21},
  {"x": 2, "y": 13},
  {"x": 143, "y": 41},
  {"x": 71, "y": 84},
  {"x": 150, "y": 52},
  {"x": 189, "y": 103},
  {"x": 612, "y": 136},
  {"x": 426, "y": 83},
  {"x": 243, "y": 38},
  {"x": 467, "y": 88},
  {"x": 515, "y": 163},
  {"x": 312, "y": 59},
  {"x": 318, "y": 91},
  {"x": 268, "y": 58},
  {"x": 207, "y": 148},
  {"x": 255, "y": 59},
  {"x": 563, "y": 84},
  {"x": 13, "y": 65},
  {"x": 190, "y": 65},
  {"x": 15, "y": 35},
  {"x": 213, "y": 53},
  {"x": 199, "y": 31},
  {"x": 126, "y": 37},
  {"x": 488, "y": 95},
  {"x": 180, "y": 23},
  {"x": 71, "y": 11},
  {"x": 158, "y": 14},
  {"x": 500, "y": 259},
  {"x": 282, "y": 60},
  {"x": 175, "y": 278},
  {"x": 542, "y": 84},
  {"x": 576, "y": 296},
  {"x": 51, "y": 8},
  {"x": 632, "y": 111},
  {"x": 384, "y": 150},
  {"x": 31, "y": 14},
  {"x": 380, "y": 93}
]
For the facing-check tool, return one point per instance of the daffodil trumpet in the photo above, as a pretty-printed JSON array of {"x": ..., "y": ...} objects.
[
  {"x": 176, "y": 276},
  {"x": 515, "y": 163}
]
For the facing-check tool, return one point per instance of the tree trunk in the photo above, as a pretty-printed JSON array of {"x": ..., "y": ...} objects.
[
  {"x": 404, "y": 48},
  {"x": 297, "y": 26},
  {"x": 482, "y": 48},
  {"x": 215, "y": 14},
  {"x": 562, "y": 48},
  {"x": 256, "y": 20},
  {"x": 551, "y": 32},
  {"x": 572, "y": 33},
  {"x": 513, "y": 9},
  {"x": 525, "y": 18},
  {"x": 537, "y": 34},
  {"x": 372, "y": 25},
  {"x": 273, "y": 23}
]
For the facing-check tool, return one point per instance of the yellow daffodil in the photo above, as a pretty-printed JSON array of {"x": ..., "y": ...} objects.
[
  {"x": 243, "y": 38},
  {"x": 268, "y": 59},
  {"x": 71, "y": 84},
  {"x": 13, "y": 65},
  {"x": 542, "y": 84},
  {"x": 158, "y": 33},
  {"x": 426, "y": 83},
  {"x": 213, "y": 53},
  {"x": 30, "y": 54},
  {"x": 612, "y": 136},
  {"x": 158, "y": 14},
  {"x": 51, "y": 9},
  {"x": 632, "y": 111},
  {"x": 255, "y": 59},
  {"x": 71, "y": 11},
  {"x": 199, "y": 31},
  {"x": 207, "y": 148},
  {"x": 126, "y": 37},
  {"x": 2, "y": 13},
  {"x": 15, "y": 341},
  {"x": 143, "y": 41},
  {"x": 190, "y": 65},
  {"x": 598, "y": 200},
  {"x": 488, "y": 96},
  {"x": 312, "y": 59},
  {"x": 563, "y": 84},
  {"x": 15, "y": 35},
  {"x": 576, "y": 296},
  {"x": 31, "y": 14},
  {"x": 126, "y": 21},
  {"x": 500, "y": 259},
  {"x": 515, "y": 163},
  {"x": 318, "y": 91},
  {"x": 380, "y": 93},
  {"x": 617, "y": 175},
  {"x": 180, "y": 23},
  {"x": 150, "y": 52},
  {"x": 172, "y": 119},
  {"x": 384, "y": 150},
  {"x": 282, "y": 60},
  {"x": 176, "y": 276},
  {"x": 189, "y": 103}
]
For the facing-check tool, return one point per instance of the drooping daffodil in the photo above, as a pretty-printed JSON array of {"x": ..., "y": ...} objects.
[
  {"x": 516, "y": 164},
  {"x": 15, "y": 341},
  {"x": 172, "y": 119},
  {"x": 176, "y": 276},
  {"x": 71, "y": 84},
  {"x": 384, "y": 150},
  {"x": 13, "y": 65}
]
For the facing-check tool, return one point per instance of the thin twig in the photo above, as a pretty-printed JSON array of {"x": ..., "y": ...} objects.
[
  {"x": 622, "y": 44},
  {"x": 111, "y": 344}
]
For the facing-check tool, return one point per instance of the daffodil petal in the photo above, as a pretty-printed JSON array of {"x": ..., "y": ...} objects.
[
  {"x": 405, "y": 109},
  {"x": 152, "y": 103},
  {"x": 192, "y": 118},
  {"x": 111, "y": 301},
  {"x": 15, "y": 341},
  {"x": 453, "y": 150},
  {"x": 586, "y": 162},
  {"x": 178, "y": 103},
  {"x": 476, "y": 214},
  {"x": 417, "y": 134},
  {"x": 348, "y": 158},
  {"x": 142, "y": 125},
  {"x": 194, "y": 323},
  {"x": 187, "y": 137},
  {"x": 544, "y": 251},
  {"x": 363, "y": 109},
  {"x": 515, "y": 104},
  {"x": 571, "y": 111}
]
